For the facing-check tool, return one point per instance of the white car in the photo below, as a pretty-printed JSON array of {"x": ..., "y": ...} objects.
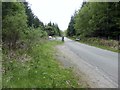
[
  {"x": 77, "y": 39},
  {"x": 50, "y": 37}
]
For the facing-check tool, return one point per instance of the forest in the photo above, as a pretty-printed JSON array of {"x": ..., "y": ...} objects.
[
  {"x": 27, "y": 53},
  {"x": 26, "y": 27},
  {"x": 96, "y": 21}
]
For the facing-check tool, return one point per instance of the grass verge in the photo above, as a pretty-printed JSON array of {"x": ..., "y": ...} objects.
[
  {"x": 110, "y": 45},
  {"x": 36, "y": 68}
]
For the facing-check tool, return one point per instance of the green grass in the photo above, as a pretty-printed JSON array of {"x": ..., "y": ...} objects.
[
  {"x": 96, "y": 42},
  {"x": 41, "y": 71}
]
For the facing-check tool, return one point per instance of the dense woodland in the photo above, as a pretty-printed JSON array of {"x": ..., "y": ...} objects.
[
  {"x": 96, "y": 19},
  {"x": 28, "y": 56},
  {"x": 20, "y": 25}
]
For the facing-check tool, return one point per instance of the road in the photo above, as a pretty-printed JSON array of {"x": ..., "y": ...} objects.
[{"x": 100, "y": 66}]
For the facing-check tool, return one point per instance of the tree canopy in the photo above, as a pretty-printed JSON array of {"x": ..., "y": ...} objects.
[
  {"x": 96, "y": 19},
  {"x": 52, "y": 29},
  {"x": 20, "y": 24}
]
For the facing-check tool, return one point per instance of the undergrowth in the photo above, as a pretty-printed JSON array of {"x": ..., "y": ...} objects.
[
  {"x": 111, "y": 45},
  {"x": 36, "y": 68}
]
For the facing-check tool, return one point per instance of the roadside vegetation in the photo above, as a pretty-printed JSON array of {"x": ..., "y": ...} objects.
[
  {"x": 111, "y": 45},
  {"x": 36, "y": 68},
  {"x": 97, "y": 24},
  {"x": 27, "y": 54}
]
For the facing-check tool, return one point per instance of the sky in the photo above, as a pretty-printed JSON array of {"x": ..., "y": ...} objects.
[{"x": 56, "y": 11}]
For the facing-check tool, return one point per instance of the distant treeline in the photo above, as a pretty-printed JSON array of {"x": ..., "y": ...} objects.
[
  {"x": 19, "y": 25},
  {"x": 96, "y": 19}
]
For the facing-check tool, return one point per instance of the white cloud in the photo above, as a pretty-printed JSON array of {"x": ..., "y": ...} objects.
[{"x": 57, "y": 11}]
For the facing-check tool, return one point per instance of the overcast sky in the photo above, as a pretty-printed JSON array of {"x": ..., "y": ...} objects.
[{"x": 57, "y": 11}]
